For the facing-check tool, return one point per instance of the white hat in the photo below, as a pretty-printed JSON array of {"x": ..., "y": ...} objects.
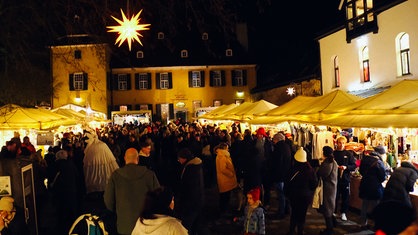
[
  {"x": 300, "y": 155},
  {"x": 6, "y": 203}
]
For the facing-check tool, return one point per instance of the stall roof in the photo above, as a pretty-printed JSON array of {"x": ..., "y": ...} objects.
[
  {"x": 307, "y": 109},
  {"x": 396, "y": 107},
  {"x": 16, "y": 117},
  {"x": 246, "y": 110}
]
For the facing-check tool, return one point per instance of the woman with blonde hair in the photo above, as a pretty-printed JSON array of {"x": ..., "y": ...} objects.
[{"x": 225, "y": 175}]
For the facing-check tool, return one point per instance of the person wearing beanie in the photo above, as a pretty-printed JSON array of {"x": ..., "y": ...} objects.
[
  {"x": 373, "y": 174},
  {"x": 300, "y": 184},
  {"x": 280, "y": 163},
  {"x": 328, "y": 171},
  {"x": 346, "y": 164},
  {"x": 190, "y": 193},
  {"x": 253, "y": 219},
  {"x": 12, "y": 220}
]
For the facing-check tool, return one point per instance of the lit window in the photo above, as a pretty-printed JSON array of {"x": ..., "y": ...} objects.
[
  {"x": 237, "y": 78},
  {"x": 217, "y": 78},
  {"x": 404, "y": 53},
  {"x": 196, "y": 79},
  {"x": 78, "y": 81},
  {"x": 365, "y": 62},
  {"x": 143, "y": 81},
  {"x": 164, "y": 81},
  {"x": 122, "y": 82},
  {"x": 336, "y": 72}
]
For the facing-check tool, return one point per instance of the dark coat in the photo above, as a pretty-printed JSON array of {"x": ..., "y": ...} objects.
[
  {"x": 301, "y": 182},
  {"x": 190, "y": 195},
  {"x": 401, "y": 183},
  {"x": 373, "y": 173},
  {"x": 280, "y": 160}
]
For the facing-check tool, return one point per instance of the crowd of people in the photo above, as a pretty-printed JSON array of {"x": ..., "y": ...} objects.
[{"x": 156, "y": 177}]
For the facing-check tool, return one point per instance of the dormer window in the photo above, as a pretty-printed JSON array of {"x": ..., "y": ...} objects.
[
  {"x": 205, "y": 36},
  {"x": 160, "y": 35},
  {"x": 228, "y": 52},
  {"x": 139, "y": 54},
  {"x": 184, "y": 54}
]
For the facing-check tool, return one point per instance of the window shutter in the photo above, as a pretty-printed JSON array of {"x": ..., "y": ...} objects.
[
  {"x": 233, "y": 78},
  {"x": 244, "y": 77},
  {"x": 109, "y": 81},
  {"x": 115, "y": 82},
  {"x": 137, "y": 81},
  {"x": 158, "y": 79},
  {"x": 85, "y": 81},
  {"x": 211, "y": 78},
  {"x": 170, "y": 80},
  {"x": 190, "y": 79},
  {"x": 171, "y": 111},
  {"x": 71, "y": 82},
  {"x": 149, "y": 80},
  {"x": 158, "y": 111},
  {"x": 128, "y": 81},
  {"x": 223, "y": 79},
  {"x": 202, "y": 78}
]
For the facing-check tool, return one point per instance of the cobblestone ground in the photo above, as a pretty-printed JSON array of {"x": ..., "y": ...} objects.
[
  {"x": 314, "y": 220},
  {"x": 224, "y": 226}
]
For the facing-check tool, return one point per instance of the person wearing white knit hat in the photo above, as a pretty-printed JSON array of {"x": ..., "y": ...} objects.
[
  {"x": 299, "y": 187},
  {"x": 301, "y": 155}
]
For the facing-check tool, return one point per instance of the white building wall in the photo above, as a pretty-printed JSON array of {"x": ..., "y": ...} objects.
[{"x": 382, "y": 51}]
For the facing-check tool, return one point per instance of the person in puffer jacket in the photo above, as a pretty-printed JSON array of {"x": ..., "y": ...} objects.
[{"x": 401, "y": 183}]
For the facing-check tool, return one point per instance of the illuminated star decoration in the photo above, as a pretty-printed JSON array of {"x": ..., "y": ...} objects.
[
  {"x": 128, "y": 29},
  {"x": 290, "y": 91}
]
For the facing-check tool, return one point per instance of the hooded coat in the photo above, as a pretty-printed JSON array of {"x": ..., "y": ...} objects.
[
  {"x": 125, "y": 194},
  {"x": 401, "y": 183},
  {"x": 372, "y": 170},
  {"x": 225, "y": 171}
]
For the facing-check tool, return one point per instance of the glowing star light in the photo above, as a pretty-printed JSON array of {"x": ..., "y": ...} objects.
[{"x": 128, "y": 29}]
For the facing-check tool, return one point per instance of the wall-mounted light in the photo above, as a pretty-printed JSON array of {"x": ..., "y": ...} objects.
[
  {"x": 240, "y": 94},
  {"x": 77, "y": 97}
]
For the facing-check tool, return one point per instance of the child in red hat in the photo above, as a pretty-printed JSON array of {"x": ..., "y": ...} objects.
[{"x": 253, "y": 218}]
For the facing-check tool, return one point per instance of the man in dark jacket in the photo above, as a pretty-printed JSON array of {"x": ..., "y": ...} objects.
[
  {"x": 280, "y": 158},
  {"x": 189, "y": 196},
  {"x": 346, "y": 164}
]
